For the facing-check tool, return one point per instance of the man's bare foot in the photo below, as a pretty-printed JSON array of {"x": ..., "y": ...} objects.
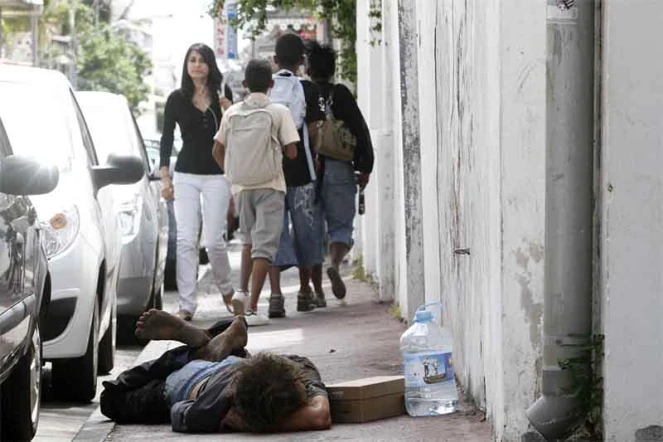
[
  {"x": 232, "y": 338},
  {"x": 158, "y": 325}
]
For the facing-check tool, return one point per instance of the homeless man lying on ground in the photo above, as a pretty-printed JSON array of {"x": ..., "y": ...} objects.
[{"x": 212, "y": 384}]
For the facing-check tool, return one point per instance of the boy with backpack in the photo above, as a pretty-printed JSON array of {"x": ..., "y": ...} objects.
[
  {"x": 304, "y": 249},
  {"x": 249, "y": 147}
]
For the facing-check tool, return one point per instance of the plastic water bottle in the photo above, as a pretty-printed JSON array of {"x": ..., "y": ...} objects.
[{"x": 430, "y": 385}]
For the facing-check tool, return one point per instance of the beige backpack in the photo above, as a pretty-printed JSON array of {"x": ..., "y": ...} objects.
[{"x": 253, "y": 155}]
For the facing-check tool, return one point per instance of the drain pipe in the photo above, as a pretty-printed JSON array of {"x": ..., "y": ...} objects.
[{"x": 567, "y": 315}]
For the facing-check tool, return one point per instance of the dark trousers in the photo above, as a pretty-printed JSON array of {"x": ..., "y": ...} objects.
[{"x": 138, "y": 396}]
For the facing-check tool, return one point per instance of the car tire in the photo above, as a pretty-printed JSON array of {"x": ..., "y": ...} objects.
[
  {"x": 76, "y": 379},
  {"x": 21, "y": 394},
  {"x": 107, "y": 346}
]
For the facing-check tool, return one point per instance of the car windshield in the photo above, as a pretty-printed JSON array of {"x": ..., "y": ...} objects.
[
  {"x": 111, "y": 128},
  {"x": 36, "y": 123}
]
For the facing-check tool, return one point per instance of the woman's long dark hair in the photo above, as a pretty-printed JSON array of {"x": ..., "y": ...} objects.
[{"x": 214, "y": 78}]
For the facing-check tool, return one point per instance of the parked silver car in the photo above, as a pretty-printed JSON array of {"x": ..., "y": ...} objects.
[
  {"x": 141, "y": 210},
  {"x": 25, "y": 290}
]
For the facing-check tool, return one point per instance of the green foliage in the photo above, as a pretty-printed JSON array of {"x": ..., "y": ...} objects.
[
  {"x": 375, "y": 15},
  {"x": 587, "y": 386},
  {"x": 252, "y": 15},
  {"x": 359, "y": 271},
  {"x": 108, "y": 62}
]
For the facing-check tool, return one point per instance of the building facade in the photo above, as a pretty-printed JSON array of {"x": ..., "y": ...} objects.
[{"x": 458, "y": 98}]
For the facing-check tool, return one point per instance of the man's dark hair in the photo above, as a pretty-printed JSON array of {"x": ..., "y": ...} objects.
[
  {"x": 268, "y": 388},
  {"x": 289, "y": 50},
  {"x": 321, "y": 60},
  {"x": 258, "y": 75}
]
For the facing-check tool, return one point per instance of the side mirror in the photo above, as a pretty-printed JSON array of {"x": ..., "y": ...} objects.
[
  {"x": 20, "y": 175},
  {"x": 119, "y": 169}
]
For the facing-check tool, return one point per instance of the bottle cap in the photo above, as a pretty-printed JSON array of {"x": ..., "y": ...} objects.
[{"x": 423, "y": 316}]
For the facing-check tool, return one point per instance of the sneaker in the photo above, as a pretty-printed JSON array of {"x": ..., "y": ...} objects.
[
  {"x": 338, "y": 286},
  {"x": 305, "y": 302},
  {"x": 240, "y": 301},
  {"x": 254, "y": 319},
  {"x": 276, "y": 306},
  {"x": 319, "y": 300}
]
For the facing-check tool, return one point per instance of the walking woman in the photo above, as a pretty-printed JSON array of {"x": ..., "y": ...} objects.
[{"x": 196, "y": 108}]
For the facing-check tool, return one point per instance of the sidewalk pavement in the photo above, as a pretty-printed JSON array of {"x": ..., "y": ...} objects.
[{"x": 346, "y": 341}]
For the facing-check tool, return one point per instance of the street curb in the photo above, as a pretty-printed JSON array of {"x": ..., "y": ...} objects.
[{"x": 97, "y": 427}]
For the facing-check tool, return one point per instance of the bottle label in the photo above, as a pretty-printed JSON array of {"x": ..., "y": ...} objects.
[{"x": 427, "y": 368}]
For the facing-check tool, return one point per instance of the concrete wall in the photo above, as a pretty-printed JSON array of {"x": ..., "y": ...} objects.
[
  {"x": 632, "y": 220},
  {"x": 469, "y": 178},
  {"x": 455, "y": 97}
]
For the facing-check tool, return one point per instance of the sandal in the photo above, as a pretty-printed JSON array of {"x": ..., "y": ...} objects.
[{"x": 227, "y": 300}]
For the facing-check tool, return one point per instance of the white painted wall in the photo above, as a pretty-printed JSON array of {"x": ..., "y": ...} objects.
[
  {"x": 632, "y": 219},
  {"x": 481, "y": 116},
  {"x": 522, "y": 145},
  {"x": 376, "y": 91},
  {"x": 481, "y": 112}
]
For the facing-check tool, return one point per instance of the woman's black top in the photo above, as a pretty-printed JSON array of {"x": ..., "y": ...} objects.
[
  {"x": 345, "y": 108},
  {"x": 197, "y": 129}
]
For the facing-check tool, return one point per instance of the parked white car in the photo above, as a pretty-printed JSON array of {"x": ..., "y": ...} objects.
[
  {"x": 82, "y": 238},
  {"x": 141, "y": 210}
]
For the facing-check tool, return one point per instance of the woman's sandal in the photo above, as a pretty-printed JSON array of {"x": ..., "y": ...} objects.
[{"x": 227, "y": 300}]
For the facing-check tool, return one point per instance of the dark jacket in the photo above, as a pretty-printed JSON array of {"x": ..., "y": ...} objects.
[{"x": 345, "y": 108}]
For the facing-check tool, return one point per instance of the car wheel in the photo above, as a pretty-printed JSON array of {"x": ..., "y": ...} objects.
[
  {"x": 76, "y": 379},
  {"x": 21, "y": 394},
  {"x": 107, "y": 346}
]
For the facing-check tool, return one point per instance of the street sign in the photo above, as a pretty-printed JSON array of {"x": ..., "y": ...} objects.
[
  {"x": 231, "y": 11},
  {"x": 225, "y": 36}
]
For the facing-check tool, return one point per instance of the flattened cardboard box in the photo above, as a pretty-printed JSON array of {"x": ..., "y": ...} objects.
[{"x": 368, "y": 399}]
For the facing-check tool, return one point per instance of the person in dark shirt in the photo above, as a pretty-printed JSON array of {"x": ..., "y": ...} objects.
[
  {"x": 212, "y": 385},
  {"x": 303, "y": 247},
  {"x": 338, "y": 183},
  {"x": 197, "y": 109}
]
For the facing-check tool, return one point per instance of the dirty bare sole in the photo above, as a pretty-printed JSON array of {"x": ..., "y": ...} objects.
[
  {"x": 158, "y": 325},
  {"x": 338, "y": 286},
  {"x": 233, "y": 338}
]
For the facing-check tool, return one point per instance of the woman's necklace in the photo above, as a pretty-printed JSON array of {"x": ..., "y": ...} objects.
[{"x": 201, "y": 99}]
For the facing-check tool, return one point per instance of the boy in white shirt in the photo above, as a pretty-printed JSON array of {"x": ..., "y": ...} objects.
[{"x": 249, "y": 146}]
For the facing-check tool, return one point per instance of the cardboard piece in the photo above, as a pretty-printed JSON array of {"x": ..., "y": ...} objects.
[{"x": 365, "y": 400}]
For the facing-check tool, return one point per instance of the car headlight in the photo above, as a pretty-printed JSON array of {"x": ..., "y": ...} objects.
[
  {"x": 129, "y": 216},
  {"x": 60, "y": 231}
]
